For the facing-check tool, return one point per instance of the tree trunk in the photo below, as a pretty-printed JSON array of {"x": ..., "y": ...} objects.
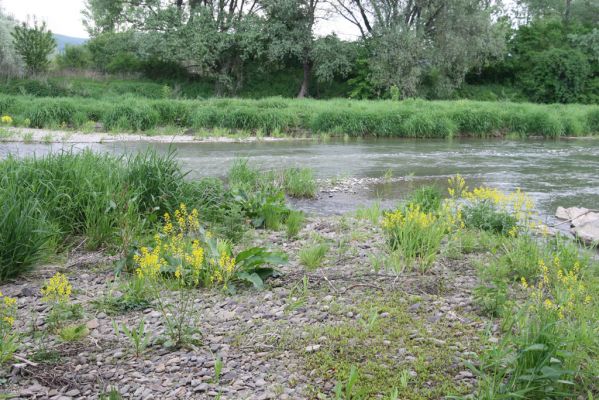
[{"x": 306, "y": 82}]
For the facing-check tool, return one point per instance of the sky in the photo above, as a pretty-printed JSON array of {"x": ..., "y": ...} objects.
[{"x": 64, "y": 17}]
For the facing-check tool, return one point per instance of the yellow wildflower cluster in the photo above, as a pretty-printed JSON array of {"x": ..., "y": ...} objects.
[
  {"x": 58, "y": 289},
  {"x": 456, "y": 186},
  {"x": 8, "y": 311},
  {"x": 149, "y": 262},
  {"x": 518, "y": 203},
  {"x": 178, "y": 250},
  {"x": 6, "y": 119},
  {"x": 413, "y": 215},
  {"x": 560, "y": 290}
]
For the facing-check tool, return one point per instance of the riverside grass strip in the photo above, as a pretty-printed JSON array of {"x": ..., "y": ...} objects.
[{"x": 276, "y": 116}]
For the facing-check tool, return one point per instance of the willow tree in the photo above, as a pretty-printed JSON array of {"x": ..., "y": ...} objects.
[
  {"x": 209, "y": 38},
  {"x": 9, "y": 61},
  {"x": 289, "y": 34},
  {"x": 425, "y": 44}
]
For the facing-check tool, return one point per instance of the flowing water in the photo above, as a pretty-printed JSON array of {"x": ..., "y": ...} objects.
[{"x": 554, "y": 173}]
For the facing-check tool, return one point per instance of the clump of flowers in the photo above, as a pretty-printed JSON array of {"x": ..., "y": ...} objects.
[
  {"x": 559, "y": 290},
  {"x": 8, "y": 336},
  {"x": 416, "y": 234},
  {"x": 6, "y": 120},
  {"x": 179, "y": 251},
  {"x": 57, "y": 292},
  {"x": 58, "y": 289},
  {"x": 491, "y": 209}
]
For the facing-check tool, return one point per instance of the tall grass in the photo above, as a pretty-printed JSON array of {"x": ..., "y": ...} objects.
[
  {"x": 49, "y": 203},
  {"x": 382, "y": 118}
]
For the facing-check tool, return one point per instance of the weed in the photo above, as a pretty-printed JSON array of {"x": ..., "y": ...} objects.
[
  {"x": 73, "y": 333},
  {"x": 293, "y": 223},
  {"x": 137, "y": 335},
  {"x": 312, "y": 256},
  {"x": 372, "y": 213}
]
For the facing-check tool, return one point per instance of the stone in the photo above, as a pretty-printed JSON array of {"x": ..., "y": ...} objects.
[
  {"x": 588, "y": 233},
  {"x": 92, "y": 323},
  {"x": 313, "y": 348}
]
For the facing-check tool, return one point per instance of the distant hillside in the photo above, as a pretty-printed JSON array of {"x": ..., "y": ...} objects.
[{"x": 62, "y": 41}]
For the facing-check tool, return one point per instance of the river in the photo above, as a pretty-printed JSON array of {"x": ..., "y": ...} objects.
[{"x": 554, "y": 173}]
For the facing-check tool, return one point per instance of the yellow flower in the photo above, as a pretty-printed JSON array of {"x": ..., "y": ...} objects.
[
  {"x": 58, "y": 289},
  {"x": 6, "y": 119},
  {"x": 524, "y": 283}
]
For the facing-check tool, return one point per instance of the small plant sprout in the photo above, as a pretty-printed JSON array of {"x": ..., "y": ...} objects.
[
  {"x": 346, "y": 392},
  {"x": 137, "y": 335}
]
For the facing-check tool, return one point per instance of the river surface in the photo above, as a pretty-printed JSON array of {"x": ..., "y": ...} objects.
[{"x": 555, "y": 173}]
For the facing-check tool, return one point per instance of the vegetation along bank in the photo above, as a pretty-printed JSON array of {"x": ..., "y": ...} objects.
[{"x": 278, "y": 116}]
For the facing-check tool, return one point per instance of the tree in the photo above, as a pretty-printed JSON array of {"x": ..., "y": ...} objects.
[
  {"x": 289, "y": 34},
  {"x": 9, "y": 61},
  {"x": 34, "y": 45},
  {"x": 425, "y": 45},
  {"x": 212, "y": 39}
]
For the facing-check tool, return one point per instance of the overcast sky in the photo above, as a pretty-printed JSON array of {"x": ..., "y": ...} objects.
[{"x": 64, "y": 17}]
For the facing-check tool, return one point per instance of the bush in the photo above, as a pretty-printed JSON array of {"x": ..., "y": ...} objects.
[
  {"x": 427, "y": 198},
  {"x": 557, "y": 76},
  {"x": 415, "y": 234},
  {"x": 484, "y": 215}
]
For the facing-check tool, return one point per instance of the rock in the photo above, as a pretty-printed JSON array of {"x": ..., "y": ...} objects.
[
  {"x": 312, "y": 348},
  {"x": 92, "y": 324},
  {"x": 585, "y": 223},
  {"x": 588, "y": 233},
  {"x": 26, "y": 291},
  {"x": 414, "y": 307}
]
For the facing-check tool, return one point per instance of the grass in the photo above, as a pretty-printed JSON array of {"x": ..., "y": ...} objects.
[
  {"x": 272, "y": 116},
  {"x": 372, "y": 213},
  {"x": 293, "y": 223},
  {"x": 370, "y": 354},
  {"x": 300, "y": 182},
  {"x": 70, "y": 199},
  {"x": 313, "y": 255}
]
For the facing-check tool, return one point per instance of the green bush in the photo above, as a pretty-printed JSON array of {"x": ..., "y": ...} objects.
[
  {"x": 428, "y": 198},
  {"x": 557, "y": 76},
  {"x": 484, "y": 215}
]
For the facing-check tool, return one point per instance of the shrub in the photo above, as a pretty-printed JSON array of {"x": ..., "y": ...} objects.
[
  {"x": 427, "y": 198},
  {"x": 50, "y": 113},
  {"x": 557, "y": 76},
  {"x": 484, "y": 215}
]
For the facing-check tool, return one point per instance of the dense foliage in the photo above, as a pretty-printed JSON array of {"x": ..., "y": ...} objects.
[
  {"x": 274, "y": 116},
  {"x": 539, "y": 51}
]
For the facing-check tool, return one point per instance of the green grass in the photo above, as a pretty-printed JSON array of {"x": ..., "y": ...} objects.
[
  {"x": 271, "y": 116},
  {"x": 69, "y": 199},
  {"x": 293, "y": 223},
  {"x": 300, "y": 182},
  {"x": 312, "y": 256},
  {"x": 376, "y": 348}
]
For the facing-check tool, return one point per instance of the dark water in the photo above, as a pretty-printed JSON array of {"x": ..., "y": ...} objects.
[{"x": 554, "y": 173}]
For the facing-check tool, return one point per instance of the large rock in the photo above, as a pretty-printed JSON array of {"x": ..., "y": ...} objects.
[
  {"x": 577, "y": 215},
  {"x": 584, "y": 223},
  {"x": 589, "y": 232}
]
